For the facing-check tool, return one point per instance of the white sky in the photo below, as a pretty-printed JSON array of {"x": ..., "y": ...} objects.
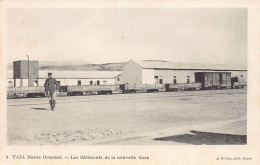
[{"x": 117, "y": 35}]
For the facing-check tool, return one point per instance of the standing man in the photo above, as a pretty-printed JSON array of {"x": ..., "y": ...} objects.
[{"x": 50, "y": 88}]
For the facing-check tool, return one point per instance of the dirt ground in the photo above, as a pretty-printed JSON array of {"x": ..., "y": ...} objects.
[{"x": 195, "y": 117}]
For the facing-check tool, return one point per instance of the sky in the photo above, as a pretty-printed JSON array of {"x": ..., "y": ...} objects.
[{"x": 96, "y": 35}]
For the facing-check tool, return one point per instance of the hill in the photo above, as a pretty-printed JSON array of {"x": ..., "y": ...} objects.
[{"x": 76, "y": 65}]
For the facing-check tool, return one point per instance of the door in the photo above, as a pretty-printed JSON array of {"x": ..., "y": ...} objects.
[
  {"x": 155, "y": 79},
  {"x": 220, "y": 79},
  {"x": 79, "y": 82},
  {"x": 233, "y": 79}
]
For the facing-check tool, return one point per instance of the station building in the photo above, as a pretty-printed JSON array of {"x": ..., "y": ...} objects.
[
  {"x": 133, "y": 72},
  {"x": 19, "y": 76},
  {"x": 80, "y": 77},
  {"x": 165, "y": 72}
]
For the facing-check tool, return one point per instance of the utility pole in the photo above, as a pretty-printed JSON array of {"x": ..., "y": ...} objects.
[{"x": 28, "y": 70}]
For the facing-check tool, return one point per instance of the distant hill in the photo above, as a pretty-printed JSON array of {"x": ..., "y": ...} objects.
[
  {"x": 63, "y": 63},
  {"x": 76, "y": 65},
  {"x": 86, "y": 67}
]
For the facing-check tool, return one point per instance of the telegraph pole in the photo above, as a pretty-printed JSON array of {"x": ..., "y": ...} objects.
[{"x": 28, "y": 70}]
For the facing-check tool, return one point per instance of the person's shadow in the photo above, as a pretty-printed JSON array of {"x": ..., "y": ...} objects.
[{"x": 40, "y": 109}]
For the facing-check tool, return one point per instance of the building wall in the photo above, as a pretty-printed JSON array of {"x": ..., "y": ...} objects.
[
  {"x": 65, "y": 82},
  {"x": 10, "y": 82},
  {"x": 241, "y": 75},
  {"x": 167, "y": 76},
  {"x": 118, "y": 80},
  {"x": 148, "y": 76},
  {"x": 19, "y": 83},
  {"x": 20, "y": 69},
  {"x": 181, "y": 76},
  {"x": 131, "y": 73}
]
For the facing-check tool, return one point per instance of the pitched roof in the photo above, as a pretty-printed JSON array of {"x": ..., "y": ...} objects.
[{"x": 157, "y": 64}]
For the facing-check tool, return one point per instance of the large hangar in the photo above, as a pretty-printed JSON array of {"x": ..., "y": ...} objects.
[{"x": 165, "y": 72}]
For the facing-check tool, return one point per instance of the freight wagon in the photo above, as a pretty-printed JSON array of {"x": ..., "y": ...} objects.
[
  {"x": 206, "y": 81},
  {"x": 26, "y": 91},
  {"x": 90, "y": 89},
  {"x": 127, "y": 88},
  {"x": 182, "y": 86},
  {"x": 214, "y": 80}
]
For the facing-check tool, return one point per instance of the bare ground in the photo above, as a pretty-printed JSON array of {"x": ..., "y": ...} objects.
[{"x": 144, "y": 118}]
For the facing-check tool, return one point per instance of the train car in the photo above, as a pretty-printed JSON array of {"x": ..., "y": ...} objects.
[
  {"x": 90, "y": 89},
  {"x": 37, "y": 91},
  {"x": 145, "y": 88},
  {"x": 236, "y": 83},
  {"x": 182, "y": 86},
  {"x": 214, "y": 80}
]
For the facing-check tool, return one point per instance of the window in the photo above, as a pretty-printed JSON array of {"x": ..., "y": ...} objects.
[
  {"x": 79, "y": 82},
  {"x": 98, "y": 82},
  {"x": 241, "y": 76},
  {"x": 118, "y": 79},
  {"x": 161, "y": 81},
  {"x": 174, "y": 79},
  {"x": 155, "y": 76},
  {"x": 104, "y": 82},
  {"x": 188, "y": 79},
  {"x": 91, "y": 82}
]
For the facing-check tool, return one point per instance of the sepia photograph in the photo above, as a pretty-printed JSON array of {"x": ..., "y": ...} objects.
[
  {"x": 129, "y": 83},
  {"x": 127, "y": 76}
]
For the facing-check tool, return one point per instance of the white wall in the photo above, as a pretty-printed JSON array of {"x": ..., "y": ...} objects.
[
  {"x": 148, "y": 76},
  {"x": 20, "y": 82},
  {"x": 131, "y": 73},
  {"x": 10, "y": 82},
  {"x": 181, "y": 76},
  {"x": 65, "y": 82},
  {"x": 118, "y": 80},
  {"x": 238, "y": 74}
]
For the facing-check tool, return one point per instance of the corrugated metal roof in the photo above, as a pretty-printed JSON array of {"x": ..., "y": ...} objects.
[
  {"x": 157, "y": 64},
  {"x": 76, "y": 74}
]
